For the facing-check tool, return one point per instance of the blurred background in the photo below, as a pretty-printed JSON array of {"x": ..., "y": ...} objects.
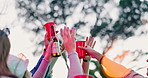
[{"x": 120, "y": 28}]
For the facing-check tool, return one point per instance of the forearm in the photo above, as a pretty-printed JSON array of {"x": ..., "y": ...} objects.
[
  {"x": 133, "y": 74},
  {"x": 42, "y": 69},
  {"x": 85, "y": 64},
  {"x": 37, "y": 65},
  {"x": 75, "y": 66},
  {"x": 85, "y": 67},
  {"x": 98, "y": 56},
  {"x": 49, "y": 70},
  {"x": 111, "y": 68}
]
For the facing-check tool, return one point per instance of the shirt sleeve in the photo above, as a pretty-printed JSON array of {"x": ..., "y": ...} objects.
[
  {"x": 110, "y": 68},
  {"x": 37, "y": 65},
  {"x": 75, "y": 66},
  {"x": 42, "y": 69},
  {"x": 133, "y": 74}
]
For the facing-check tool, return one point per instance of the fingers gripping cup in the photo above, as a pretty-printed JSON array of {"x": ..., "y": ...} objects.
[
  {"x": 81, "y": 53},
  {"x": 83, "y": 76},
  {"x": 50, "y": 29}
]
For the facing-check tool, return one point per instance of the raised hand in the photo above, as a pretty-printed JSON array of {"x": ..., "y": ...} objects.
[
  {"x": 68, "y": 39},
  {"x": 46, "y": 42},
  {"x": 48, "y": 51},
  {"x": 92, "y": 53},
  {"x": 90, "y": 42},
  {"x": 89, "y": 48}
]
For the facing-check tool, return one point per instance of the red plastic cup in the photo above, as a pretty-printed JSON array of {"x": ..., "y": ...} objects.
[
  {"x": 81, "y": 53},
  {"x": 50, "y": 31},
  {"x": 83, "y": 76}
]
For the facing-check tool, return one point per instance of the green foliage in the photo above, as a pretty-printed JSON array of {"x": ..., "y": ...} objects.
[
  {"x": 129, "y": 19},
  {"x": 97, "y": 69},
  {"x": 60, "y": 11}
]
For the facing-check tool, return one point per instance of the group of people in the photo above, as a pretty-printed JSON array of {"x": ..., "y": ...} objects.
[{"x": 8, "y": 68}]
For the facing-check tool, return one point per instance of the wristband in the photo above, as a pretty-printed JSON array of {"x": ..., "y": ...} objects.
[
  {"x": 86, "y": 60},
  {"x": 44, "y": 53}
]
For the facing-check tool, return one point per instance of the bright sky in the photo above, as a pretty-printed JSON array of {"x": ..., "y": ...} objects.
[{"x": 20, "y": 42}]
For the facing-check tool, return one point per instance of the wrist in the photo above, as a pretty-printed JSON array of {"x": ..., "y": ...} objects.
[
  {"x": 70, "y": 51},
  {"x": 99, "y": 57},
  {"x": 100, "y": 61},
  {"x": 84, "y": 60},
  {"x": 47, "y": 56},
  {"x": 44, "y": 52}
]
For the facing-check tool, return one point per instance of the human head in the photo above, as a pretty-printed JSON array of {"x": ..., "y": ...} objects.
[
  {"x": 4, "y": 52},
  {"x": 4, "y": 46}
]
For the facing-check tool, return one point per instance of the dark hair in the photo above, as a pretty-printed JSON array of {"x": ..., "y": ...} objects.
[{"x": 4, "y": 52}]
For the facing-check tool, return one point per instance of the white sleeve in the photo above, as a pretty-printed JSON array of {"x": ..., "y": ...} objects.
[{"x": 75, "y": 66}]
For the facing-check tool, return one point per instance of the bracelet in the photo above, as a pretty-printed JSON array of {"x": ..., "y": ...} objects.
[{"x": 86, "y": 60}]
